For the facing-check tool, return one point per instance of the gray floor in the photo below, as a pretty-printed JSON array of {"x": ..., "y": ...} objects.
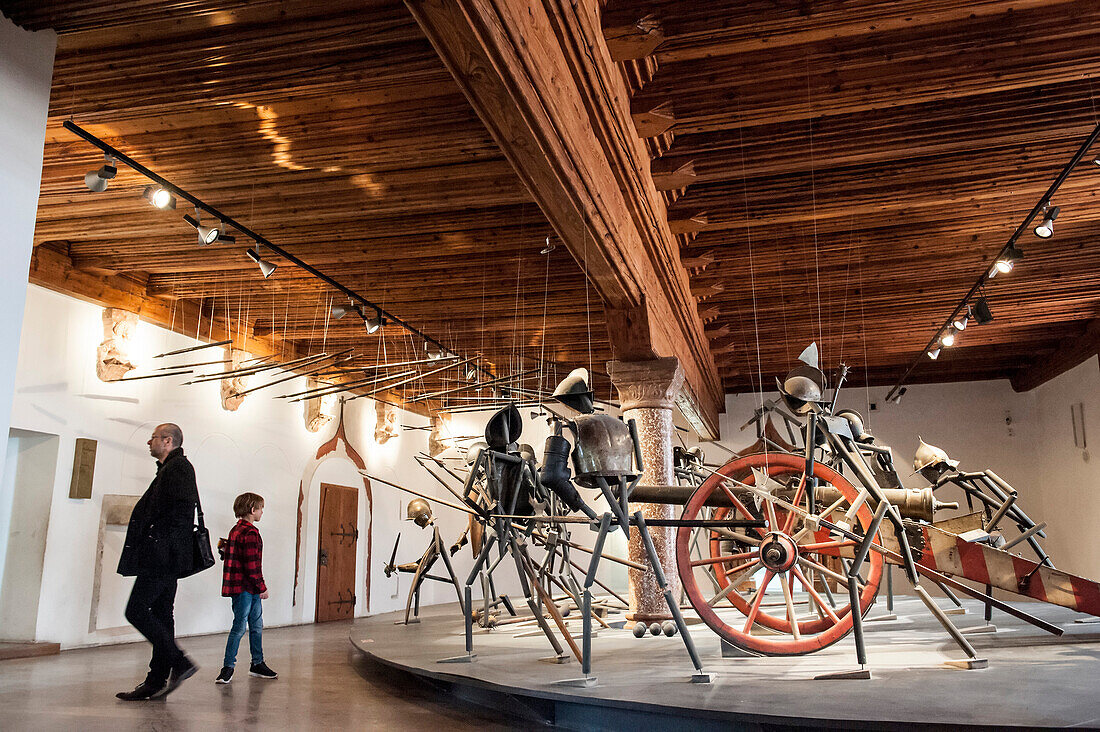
[
  {"x": 323, "y": 684},
  {"x": 1033, "y": 679}
]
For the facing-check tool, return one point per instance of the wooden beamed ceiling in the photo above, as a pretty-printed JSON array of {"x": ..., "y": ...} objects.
[
  {"x": 855, "y": 167},
  {"x": 830, "y": 171}
]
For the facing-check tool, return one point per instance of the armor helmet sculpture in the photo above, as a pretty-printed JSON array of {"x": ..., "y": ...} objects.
[
  {"x": 473, "y": 451},
  {"x": 604, "y": 448},
  {"x": 574, "y": 391},
  {"x": 419, "y": 512},
  {"x": 805, "y": 385},
  {"x": 930, "y": 456},
  {"x": 859, "y": 431},
  {"x": 503, "y": 428}
]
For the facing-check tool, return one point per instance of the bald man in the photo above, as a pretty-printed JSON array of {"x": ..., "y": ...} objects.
[{"x": 159, "y": 549}]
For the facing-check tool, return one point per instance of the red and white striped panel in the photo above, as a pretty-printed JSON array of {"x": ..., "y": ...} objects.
[{"x": 947, "y": 553}]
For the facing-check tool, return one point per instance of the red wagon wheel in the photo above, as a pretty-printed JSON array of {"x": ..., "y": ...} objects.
[{"x": 791, "y": 552}]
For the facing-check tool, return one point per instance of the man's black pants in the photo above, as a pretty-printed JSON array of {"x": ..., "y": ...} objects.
[{"x": 150, "y": 611}]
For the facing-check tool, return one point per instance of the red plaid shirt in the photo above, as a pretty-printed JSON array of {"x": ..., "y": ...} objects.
[{"x": 243, "y": 556}]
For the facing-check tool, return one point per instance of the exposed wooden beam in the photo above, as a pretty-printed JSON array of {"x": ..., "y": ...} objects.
[
  {"x": 1074, "y": 352},
  {"x": 541, "y": 78},
  {"x": 652, "y": 119},
  {"x": 631, "y": 36}
]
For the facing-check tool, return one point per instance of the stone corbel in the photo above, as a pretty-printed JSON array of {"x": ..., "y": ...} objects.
[
  {"x": 113, "y": 355},
  {"x": 232, "y": 388},
  {"x": 385, "y": 422}
]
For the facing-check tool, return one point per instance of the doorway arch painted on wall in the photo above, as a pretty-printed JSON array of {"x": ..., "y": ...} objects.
[{"x": 336, "y": 448}]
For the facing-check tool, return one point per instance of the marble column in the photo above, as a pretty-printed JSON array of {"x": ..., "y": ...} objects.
[{"x": 647, "y": 391}]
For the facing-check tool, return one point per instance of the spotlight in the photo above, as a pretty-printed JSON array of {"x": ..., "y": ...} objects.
[
  {"x": 159, "y": 197},
  {"x": 97, "y": 180},
  {"x": 223, "y": 237},
  {"x": 948, "y": 339},
  {"x": 339, "y": 311},
  {"x": 1007, "y": 261},
  {"x": 960, "y": 322},
  {"x": 982, "y": 313},
  {"x": 1096, "y": 161},
  {"x": 266, "y": 267},
  {"x": 549, "y": 247},
  {"x": 1045, "y": 230},
  {"x": 375, "y": 322},
  {"x": 207, "y": 234},
  {"x": 934, "y": 353},
  {"x": 471, "y": 374}
]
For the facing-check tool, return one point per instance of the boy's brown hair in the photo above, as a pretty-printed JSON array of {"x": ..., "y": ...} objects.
[{"x": 246, "y": 503}]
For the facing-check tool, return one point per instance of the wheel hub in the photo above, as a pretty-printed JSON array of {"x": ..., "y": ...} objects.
[{"x": 778, "y": 552}]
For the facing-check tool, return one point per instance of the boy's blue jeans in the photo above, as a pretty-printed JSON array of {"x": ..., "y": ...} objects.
[{"x": 246, "y": 609}]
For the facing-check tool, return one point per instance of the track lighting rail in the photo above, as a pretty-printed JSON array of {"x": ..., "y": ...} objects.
[
  {"x": 1040, "y": 208},
  {"x": 178, "y": 192}
]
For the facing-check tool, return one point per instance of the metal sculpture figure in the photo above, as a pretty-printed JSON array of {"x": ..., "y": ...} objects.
[{"x": 420, "y": 513}]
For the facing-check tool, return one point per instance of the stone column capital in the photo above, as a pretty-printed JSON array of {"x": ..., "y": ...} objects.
[{"x": 650, "y": 384}]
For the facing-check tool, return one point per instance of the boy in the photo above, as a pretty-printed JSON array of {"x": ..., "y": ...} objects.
[{"x": 243, "y": 581}]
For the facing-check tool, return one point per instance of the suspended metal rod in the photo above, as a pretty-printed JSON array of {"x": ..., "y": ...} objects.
[
  {"x": 414, "y": 378},
  {"x": 337, "y": 388},
  {"x": 498, "y": 380},
  {"x": 1043, "y": 202},
  {"x": 307, "y": 372}
]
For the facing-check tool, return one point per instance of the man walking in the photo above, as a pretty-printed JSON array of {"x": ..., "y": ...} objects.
[{"x": 159, "y": 549}]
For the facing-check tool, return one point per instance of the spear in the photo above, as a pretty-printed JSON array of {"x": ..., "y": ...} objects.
[{"x": 193, "y": 348}]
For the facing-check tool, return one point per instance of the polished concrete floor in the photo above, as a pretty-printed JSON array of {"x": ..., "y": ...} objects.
[{"x": 323, "y": 684}]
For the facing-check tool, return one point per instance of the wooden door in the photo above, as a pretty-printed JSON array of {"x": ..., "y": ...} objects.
[{"x": 336, "y": 552}]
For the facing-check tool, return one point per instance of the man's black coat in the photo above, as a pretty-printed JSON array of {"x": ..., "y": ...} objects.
[{"x": 159, "y": 538}]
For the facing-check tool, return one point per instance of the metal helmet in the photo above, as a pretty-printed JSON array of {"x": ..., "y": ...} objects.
[
  {"x": 503, "y": 428},
  {"x": 574, "y": 391},
  {"x": 803, "y": 387},
  {"x": 474, "y": 450},
  {"x": 419, "y": 512},
  {"x": 928, "y": 456},
  {"x": 527, "y": 453},
  {"x": 859, "y": 431}
]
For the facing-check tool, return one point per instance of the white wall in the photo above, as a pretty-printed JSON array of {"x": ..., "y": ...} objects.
[
  {"x": 26, "y": 71},
  {"x": 262, "y": 447}
]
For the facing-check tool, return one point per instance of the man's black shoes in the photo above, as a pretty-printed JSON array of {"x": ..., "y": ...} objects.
[
  {"x": 145, "y": 690},
  {"x": 185, "y": 670},
  {"x": 260, "y": 670},
  {"x": 225, "y": 676}
]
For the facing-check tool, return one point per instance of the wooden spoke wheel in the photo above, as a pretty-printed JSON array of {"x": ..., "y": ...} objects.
[{"x": 790, "y": 553}]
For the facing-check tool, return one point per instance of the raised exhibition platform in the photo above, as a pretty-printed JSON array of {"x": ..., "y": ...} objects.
[{"x": 1033, "y": 678}]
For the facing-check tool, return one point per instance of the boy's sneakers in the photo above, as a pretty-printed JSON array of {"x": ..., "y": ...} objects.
[
  {"x": 260, "y": 670},
  {"x": 225, "y": 676}
]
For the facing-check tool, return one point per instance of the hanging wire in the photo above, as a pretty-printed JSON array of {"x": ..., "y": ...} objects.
[
  {"x": 752, "y": 264},
  {"x": 813, "y": 204}
]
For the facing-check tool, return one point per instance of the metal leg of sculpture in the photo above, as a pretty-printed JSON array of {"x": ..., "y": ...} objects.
[
  {"x": 525, "y": 584},
  {"x": 700, "y": 676}
]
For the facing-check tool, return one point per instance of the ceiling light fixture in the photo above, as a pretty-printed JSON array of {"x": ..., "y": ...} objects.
[
  {"x": 934, "y": 353},
  {"x": 1007, "y": 261},
  {"x": 97, "y": 180},
  {"x": 207, "y": 234},
  {"x": 963, "y": 319},
  {"x": 339, "y": 311},
  {"x": 948, "y": 339},
  {"x": 549, "y": 247},
  {"x": 982, "y": 313},
  {"x": 159, "y": 197},
  {"x": 1045, "y": 230},
  {"x": 266, "y": 267},
  {"x": 374, "y": 322}
]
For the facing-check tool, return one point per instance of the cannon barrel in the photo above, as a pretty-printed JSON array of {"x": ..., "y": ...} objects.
[{"x": 913, "y": 503}]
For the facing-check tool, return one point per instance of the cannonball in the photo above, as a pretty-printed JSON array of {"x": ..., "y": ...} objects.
[
  {"x": 669, "y": 628},
  {"x": 639, "y": 630},
  {"x": 655, "y": 629}
]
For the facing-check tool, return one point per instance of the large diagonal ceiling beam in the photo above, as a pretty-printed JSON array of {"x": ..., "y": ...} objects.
[{"x": 540, "y": 77}]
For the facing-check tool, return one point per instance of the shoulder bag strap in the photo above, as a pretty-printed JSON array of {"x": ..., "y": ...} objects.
[{"x": 198, "y": 509}]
